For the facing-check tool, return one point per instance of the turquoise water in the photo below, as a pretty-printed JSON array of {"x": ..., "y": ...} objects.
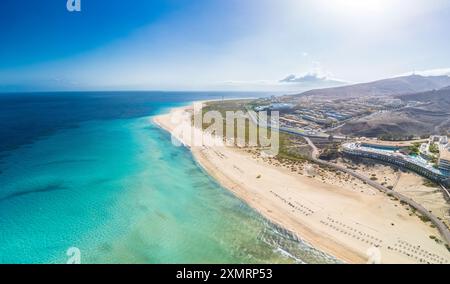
[{"x": 120, "y": 192}]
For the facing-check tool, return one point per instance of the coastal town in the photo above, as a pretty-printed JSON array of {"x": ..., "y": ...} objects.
[
  {"x": 428, "y": 156},
  {"x": 319, "y": 118}
]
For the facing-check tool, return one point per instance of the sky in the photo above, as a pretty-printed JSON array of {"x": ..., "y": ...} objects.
[{"x": 246, "y": 45}]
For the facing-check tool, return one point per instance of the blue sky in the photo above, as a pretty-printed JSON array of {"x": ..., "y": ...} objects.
[{"x": 285, "y": 45}]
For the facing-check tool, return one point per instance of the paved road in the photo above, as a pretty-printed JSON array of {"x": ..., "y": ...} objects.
[
  {"x": 422, "y": 210},
  {"x": 446, "y": 192},
  {"x": 444, "y": 231}
]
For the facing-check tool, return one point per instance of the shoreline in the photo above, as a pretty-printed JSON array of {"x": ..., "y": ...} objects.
[{"x": 322, "y": 215}]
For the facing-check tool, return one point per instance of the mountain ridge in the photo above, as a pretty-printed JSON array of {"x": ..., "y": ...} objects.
[
  {"x": 430, "y": 116},
  {"x": 385, "y": 87}
]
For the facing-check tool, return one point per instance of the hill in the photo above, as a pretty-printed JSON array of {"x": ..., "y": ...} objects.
[{"x": 386, "y": 87}]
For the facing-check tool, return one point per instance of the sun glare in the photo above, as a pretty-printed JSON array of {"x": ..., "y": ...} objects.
[
  {"x": 362, "y": 5},
  {"x": 374, "y": 14},
  {"x": 358, "y": 7}
]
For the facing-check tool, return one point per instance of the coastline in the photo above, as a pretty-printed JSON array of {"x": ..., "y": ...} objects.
[{"x": 348, "y": 225}]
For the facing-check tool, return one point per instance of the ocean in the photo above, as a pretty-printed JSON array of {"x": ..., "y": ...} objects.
[{"x": 91, "y": 171}]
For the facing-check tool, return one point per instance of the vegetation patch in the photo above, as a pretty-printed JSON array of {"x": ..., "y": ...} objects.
[
  {"x": 415, "y": 148},
  {"x": 436, "y": 239},
  {"x": 434, "y": 148}
]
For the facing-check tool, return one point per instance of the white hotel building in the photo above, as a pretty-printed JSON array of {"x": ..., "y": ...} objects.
[{"x": 391, "y": 156}]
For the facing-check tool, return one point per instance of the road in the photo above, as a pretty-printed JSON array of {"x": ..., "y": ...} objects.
[{"x": 444, "y": 231}]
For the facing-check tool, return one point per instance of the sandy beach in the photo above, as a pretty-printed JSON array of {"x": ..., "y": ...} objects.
[{"x": 346, "y": 219}]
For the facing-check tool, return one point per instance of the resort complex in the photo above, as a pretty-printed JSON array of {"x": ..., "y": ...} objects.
[{"x": 429, "y": 158}]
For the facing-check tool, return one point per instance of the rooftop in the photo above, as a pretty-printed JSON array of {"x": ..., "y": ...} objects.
[
  {"x": 399, "y": 144},
  {"x": 412, "y": 159}
]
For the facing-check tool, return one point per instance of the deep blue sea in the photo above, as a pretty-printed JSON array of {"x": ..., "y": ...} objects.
[{"x": 91, "y": 171}]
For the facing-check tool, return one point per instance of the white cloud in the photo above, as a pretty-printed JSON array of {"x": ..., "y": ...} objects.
[
  {"x": 311, "y": 78},
  {"x": 430, "y": 72},
  {"x": 307, "y": 78}
]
